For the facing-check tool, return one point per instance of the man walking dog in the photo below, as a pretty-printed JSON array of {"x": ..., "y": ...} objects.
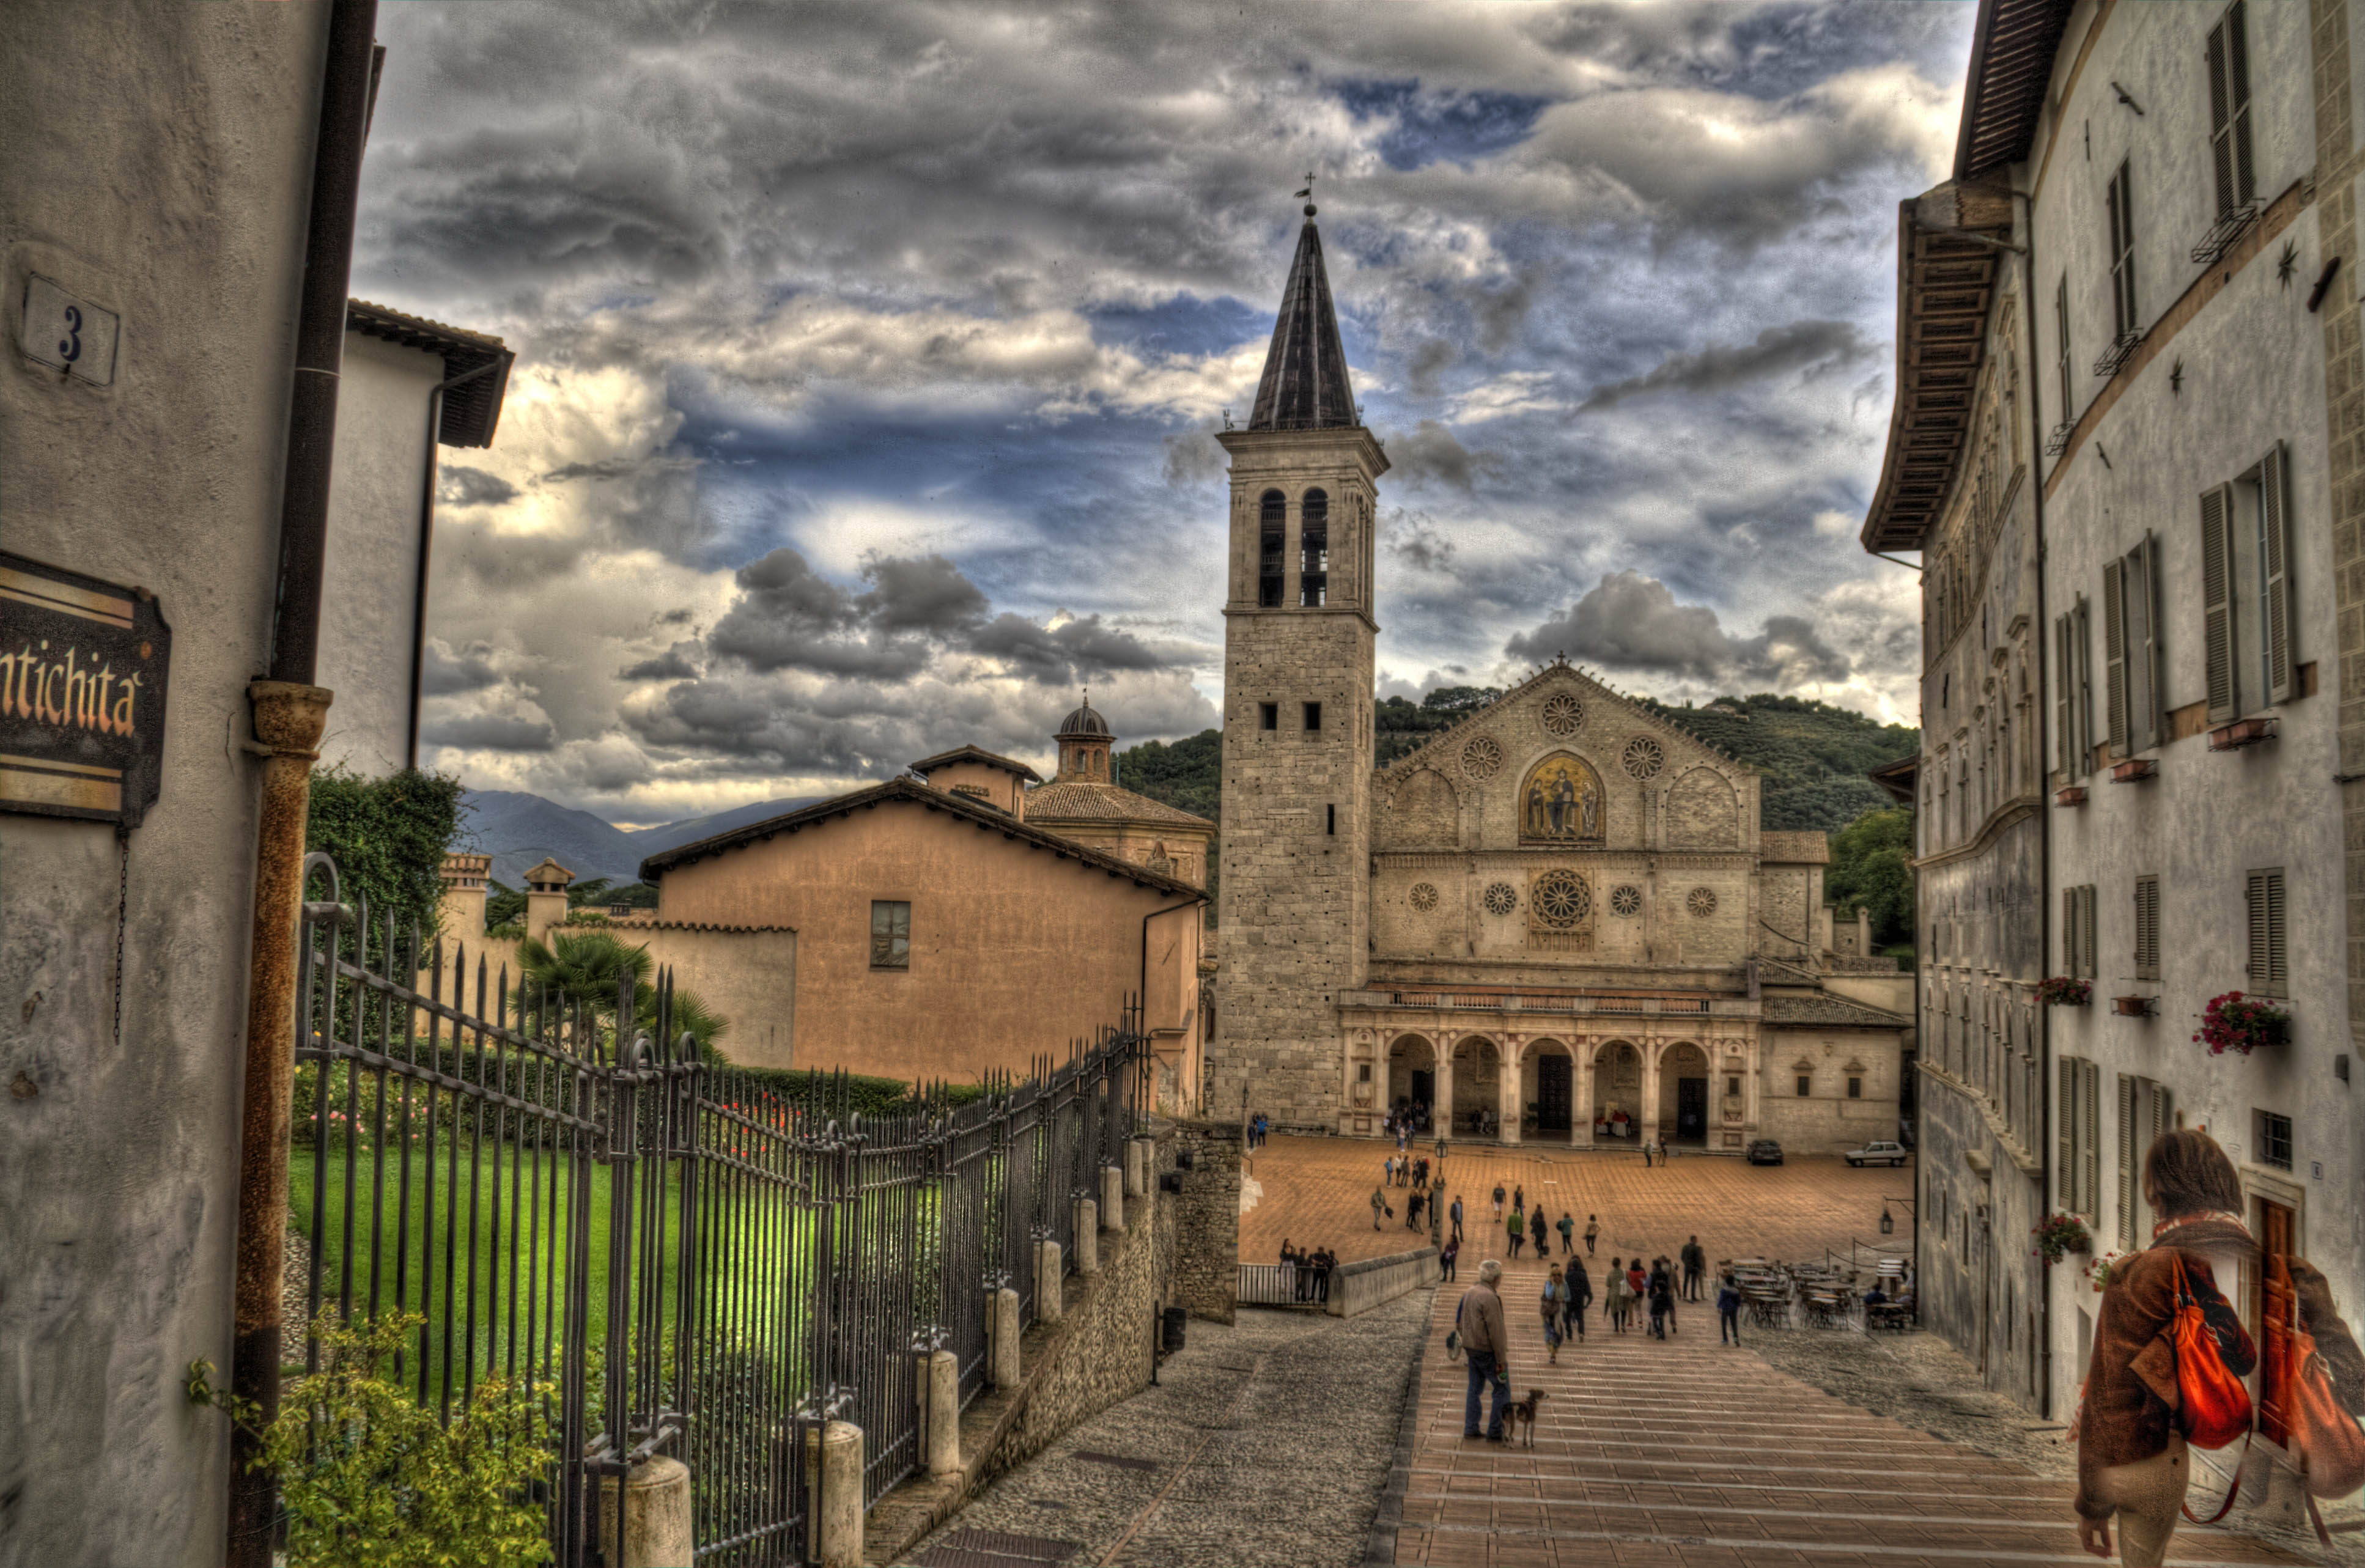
[{"x": 1487, "y": 1344}]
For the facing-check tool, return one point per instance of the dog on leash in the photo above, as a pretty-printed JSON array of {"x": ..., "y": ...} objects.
[{"x": 1522, "y": 1412}]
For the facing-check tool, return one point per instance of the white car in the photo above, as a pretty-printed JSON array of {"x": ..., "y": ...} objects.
[{"x": 1878, "y": 1154}]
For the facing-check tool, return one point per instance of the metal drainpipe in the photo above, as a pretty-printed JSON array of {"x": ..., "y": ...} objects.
[
  {"x": 289, "y": 714},
  {"x": 426, "y": 543},
  {"x": 2046, "y": 1143}
]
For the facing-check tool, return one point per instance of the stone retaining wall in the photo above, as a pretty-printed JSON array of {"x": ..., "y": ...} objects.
[
  {"x": 1360, "y": 1286},
  {"x": 1206, "y": 1218}
]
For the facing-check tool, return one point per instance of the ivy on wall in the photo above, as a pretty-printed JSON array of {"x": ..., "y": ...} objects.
[{"x": 387, "y": 836}]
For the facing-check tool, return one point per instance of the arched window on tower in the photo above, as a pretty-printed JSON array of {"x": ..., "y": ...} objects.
[
  {"x": 1314, "y": 530},
  {"x": 1270, "y": 526}
]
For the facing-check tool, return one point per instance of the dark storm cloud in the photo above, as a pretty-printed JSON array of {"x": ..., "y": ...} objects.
[
  {"x": 1065, "y": 655},
  {"x": 1718, "y": 366},
  {"x": 458, "y": 485},
  {"x": 679, "y": 662},
  {"x": 1428, "y": 363},
  {"x": 492, "y": 732},
  {"x": 1431, "y": 452},
  {"x": 1631, "y": 622},
  {"x": 445, "y": 672}
]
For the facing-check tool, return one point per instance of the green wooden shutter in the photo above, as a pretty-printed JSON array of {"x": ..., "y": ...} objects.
[
  {"x": 2237, "y": 98},
  {"x": 2145, "y": 697},
  {"x": 2090, "y": 1103},
  {"x": 2115, "y": 653},
  {"x": 2147, "y": 928},
  {"x": 2065, "y": 740},
  {"x": 2221, "y": 121},
  {"x": 2081, "y": 705},
  {"x": 2126, "y": 1162},
  {"x": 2088, "y": 930},
  {"x": 2274, "y": 506},
  {"x": 2069, "y": 931},
  {"x": 2217, "y": 601},
  {"x": 2255, "y": 902}
]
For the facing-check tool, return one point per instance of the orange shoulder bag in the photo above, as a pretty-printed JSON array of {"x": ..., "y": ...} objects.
[
  {"x": 2216, "y": 1405},
  {"x": 2299, "y": 1403}
]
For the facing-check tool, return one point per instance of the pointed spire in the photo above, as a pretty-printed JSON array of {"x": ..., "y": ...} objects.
[{"x": 1305, "y": 384}]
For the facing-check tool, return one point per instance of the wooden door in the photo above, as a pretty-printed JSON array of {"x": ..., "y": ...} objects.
[
  {"x": 1554, "y": 1080},
  {"x": 2270, "y": 1316},
  {"x": 1691, "y": 1107}
]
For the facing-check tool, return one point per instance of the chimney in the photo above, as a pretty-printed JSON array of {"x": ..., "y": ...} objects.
[
  {"x": 546, "y": 898},
  {"x": 464, "y": 896}
]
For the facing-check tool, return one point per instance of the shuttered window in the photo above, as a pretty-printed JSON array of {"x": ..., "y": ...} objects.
[
  {"x": 2144, "y": 663},
  {"x": 2270, "y": 965},
  {"x": 2229, "y": 111},
  {"x": 2274, "y": 577},
  {"x": 2147, "y": 928},
  {"x": 2115, "y": 653},
  {"x": 2061, "y": 342},
  {"x": 2077, "y": 931},
  {"x": 2090, "y": 1106},
  {"x": 2120, "y": 199},
  {"x": 2065, "y": 1116},
  {"x": 2082, "y": 692},
  {"x": 2217, "y": 633},
  {"x": 2065, "y": 741}
]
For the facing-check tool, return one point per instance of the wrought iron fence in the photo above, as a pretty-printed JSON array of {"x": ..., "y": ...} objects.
[{"x": 666, "y": 1253}]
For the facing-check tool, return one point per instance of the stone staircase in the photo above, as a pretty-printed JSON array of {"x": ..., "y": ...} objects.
[{"x": 1686, "y": 1453}]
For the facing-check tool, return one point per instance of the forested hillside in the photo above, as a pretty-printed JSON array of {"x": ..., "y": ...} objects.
[{"x": 1813, "y": 756}]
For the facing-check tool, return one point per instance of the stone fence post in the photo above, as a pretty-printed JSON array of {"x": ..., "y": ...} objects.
[
  {"x": 1112, "y": 1197},
  {"x": 836, "y": 1478},
  {"x": 1003, "y": 1369},
  {"x": 942, "y": 1391},
  {"x": 1088, "y": 1236},
  {"x": 1047, "y": 1282}
]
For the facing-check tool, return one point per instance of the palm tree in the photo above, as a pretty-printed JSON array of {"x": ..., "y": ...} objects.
[{"x": 590, "y": 967}]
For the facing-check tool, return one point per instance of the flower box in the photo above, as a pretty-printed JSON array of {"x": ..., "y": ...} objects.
[
  {"x": 2060, "y": 990},
  {"x": 2237, "y": 1022},
  {"x": 2062, "y": 1235},
  {"x": 2073, "y": 795},
  {"x": 2241, "y": 733},
  {"x": 2134, "y": 770},
  {"x": 2133, "y": 1006}
]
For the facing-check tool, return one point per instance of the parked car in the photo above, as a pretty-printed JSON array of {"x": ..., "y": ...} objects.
[
  {"x": 1878, "y": 1153},
  {"x": 1766, "y": 1152}
]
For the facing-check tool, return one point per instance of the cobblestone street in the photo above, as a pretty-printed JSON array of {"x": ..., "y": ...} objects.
[
  {"x": 1265, "y": 1445},
  {"x": 1316, "y": 1191}
]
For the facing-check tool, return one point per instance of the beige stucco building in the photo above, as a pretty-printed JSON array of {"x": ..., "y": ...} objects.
[{"x": 1558, "y": 921}]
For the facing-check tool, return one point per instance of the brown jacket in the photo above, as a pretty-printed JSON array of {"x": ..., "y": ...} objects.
[
  {"x": 2131, "y": 1395},
  {"x": 1482, "y": 1322},
  {"x": 2344, "y": 1362}
]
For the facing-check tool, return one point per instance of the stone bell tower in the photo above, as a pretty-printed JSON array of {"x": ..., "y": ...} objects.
[{"x": 1294, "y": 899}]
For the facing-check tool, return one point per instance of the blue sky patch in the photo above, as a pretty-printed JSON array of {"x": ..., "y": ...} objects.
[{"x": 1442, "y": 126}]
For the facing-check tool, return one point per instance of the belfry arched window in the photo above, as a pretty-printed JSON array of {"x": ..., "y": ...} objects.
[
  {"x": 1270, "y": 527},
  {"x": 1314, "y": 532}
]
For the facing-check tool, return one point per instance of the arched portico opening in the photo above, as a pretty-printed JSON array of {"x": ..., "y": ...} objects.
[
  {"x": 1477, "y": 1087},
  {"x": 1547, "y": 1092},
  {"x": 1683, "y": 1094},
  {"x": 1618, "y": 1090},
  {"x": 1412, "y": 1077}
]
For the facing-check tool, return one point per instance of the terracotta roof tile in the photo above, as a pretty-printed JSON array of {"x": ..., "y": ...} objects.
[{"x": 1102, "y": 803}]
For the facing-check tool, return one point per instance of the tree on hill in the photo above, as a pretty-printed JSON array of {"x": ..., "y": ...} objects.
[
  {"x": 1188, "y": 775},
  {"x": 1870, "y": 870},
  {"x": 1812, "y": 756}
]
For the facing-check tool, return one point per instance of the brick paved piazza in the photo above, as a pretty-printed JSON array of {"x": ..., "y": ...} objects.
[{"x": 1317, "y": 1192}]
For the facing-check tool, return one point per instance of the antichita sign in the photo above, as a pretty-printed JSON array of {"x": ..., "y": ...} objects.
[{"x": 83, "y": 669}]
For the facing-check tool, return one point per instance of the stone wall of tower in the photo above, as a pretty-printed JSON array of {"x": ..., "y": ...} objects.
[{"x": 1295, "y": 919}]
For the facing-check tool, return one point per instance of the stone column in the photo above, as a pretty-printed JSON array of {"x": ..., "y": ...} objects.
[
  {"x": 1441, "y": 1113},
  {"x": 1140, "y": 1157},
  {"x": 1650, "y": 1126},
  {"x": 657, "y": 1532},
  {"x": 943, "y": 1394},
  {"x": 1581, "y": 1092},
  {"x": 838, "y": 1500},
  {"x": 1506, "y": 1090},
  {"x": 1002, "y": 1331},
  {"x": 1047, "y": 1282},
  {"x": 1112, "y": 1197},
  {"x": 1088, "y": 1236}
]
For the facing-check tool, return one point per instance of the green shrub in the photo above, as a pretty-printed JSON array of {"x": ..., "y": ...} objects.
[{"x": 387, "y": 836}]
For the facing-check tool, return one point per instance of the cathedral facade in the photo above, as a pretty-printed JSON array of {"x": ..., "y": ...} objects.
[{"x": 1559, "y": 921}]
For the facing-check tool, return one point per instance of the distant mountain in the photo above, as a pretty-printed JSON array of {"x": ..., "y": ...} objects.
[{"x": 518, "y": 829}]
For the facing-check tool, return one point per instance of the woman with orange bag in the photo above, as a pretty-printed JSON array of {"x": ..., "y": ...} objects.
[{"x": 2169, "y": 1352}]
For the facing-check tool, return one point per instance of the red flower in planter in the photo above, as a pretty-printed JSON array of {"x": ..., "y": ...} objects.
[{"x": 2237, "y": 1022}]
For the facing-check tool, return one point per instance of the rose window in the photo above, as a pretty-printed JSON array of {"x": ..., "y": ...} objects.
[
  {"x": 1627, "y": 901},
  {"x": 1501, "y": 899},
  {"x": 1423, "y": 896},
  {"x": 1560, "y": 899},
  {"x": 1643, "y": 756},
  {"x": 1562, "y": 714},
  {"x": 1701, "y": 902},
  {"x": 1481, "y": 758}
]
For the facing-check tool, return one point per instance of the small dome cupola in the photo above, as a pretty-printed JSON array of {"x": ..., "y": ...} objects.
[{"x": 1085, "y": 741}]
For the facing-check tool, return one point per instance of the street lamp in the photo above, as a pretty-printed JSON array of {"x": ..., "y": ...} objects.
[{"x": 1887, "y": 1222}]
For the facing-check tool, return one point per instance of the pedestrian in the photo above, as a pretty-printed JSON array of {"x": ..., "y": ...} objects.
[
  {"x": 1695, "y": 1265},
  {"x": 1580, "y": 1296},
  {"x": 1379, "y": 1206},
  {"x": 1646, "y": 1154},
  {"x": 1403, "y": 1132},
  {"x": 1388, "y": 1171},
  {"x": 1592, "y": 1232},
  {"x": 1554, "y": 1306},
  {"x": 1324, "y": 1261},
  {"x": 1728, "y": 1313},
  {"x": 1638, "y": 1282},
  {"x": 1621, "y": 1297},
  {"x": 1520, "y": 1199},
  {"x": 1517, "y": 1225},
  {"x": 1660, "y": 1295},
  {"x": 1567, "y": 1234},
  {"x": 1445, "y": 1256},
  {"x": 1413, "y": 1207},
  {"x": 1420, "y": 1171},
  {"x": 1457, "y": 1219},
  {"x": 1486, "y": 1345},
  {"x": 1498, "y": 1203},
  {"x": 1404, "y": 1169},
  {"x": 2132, "y": 1459}
]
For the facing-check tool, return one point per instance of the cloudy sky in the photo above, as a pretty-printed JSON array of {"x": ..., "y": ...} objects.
[{"x": 868, "y": 353}]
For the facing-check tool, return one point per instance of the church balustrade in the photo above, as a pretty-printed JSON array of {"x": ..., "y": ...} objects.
[{"x": 1524, "y": 1002}]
